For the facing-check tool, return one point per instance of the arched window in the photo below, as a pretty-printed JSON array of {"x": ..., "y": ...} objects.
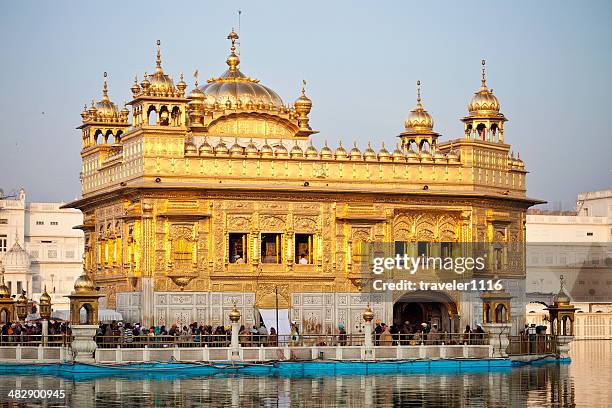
[
  {"x": 494, "y": 129},
  {"x": 152, "y": 116},
  {"x": 86, "y": 314},
  {"x": 97, "y": 136},
  {"x": 500, "y": 314},
  {"x": 468, "y": 131},
  {"x": 481, "y": 129},
  {"x": 176, "y": 116},
  {"x": 164, "y": 116},
  {"x": 118, "y": 136},
  {"x": 425, "y": 147},
  {"x": 109, "y": 138}
]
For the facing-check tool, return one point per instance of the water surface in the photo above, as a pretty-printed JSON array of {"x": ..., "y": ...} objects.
[{"x": 586, "y": 382}]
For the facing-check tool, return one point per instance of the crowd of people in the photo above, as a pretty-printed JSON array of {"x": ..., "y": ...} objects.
[
  {"x": 424, "y": 333},
  {"x": 30, "y": 333}
]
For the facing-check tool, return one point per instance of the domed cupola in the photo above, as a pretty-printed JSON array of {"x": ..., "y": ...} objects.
[
  {"x": 311, "y": 152},
  {"x": 355, "y": 153},
  {"x": 251, "y": 150},
  {"x": 484, "y": 122},
  {"x": 383, "y": 154},
  {"x": 369, "y": 154},
  {"x": 296, "y": 151},
  {"x": 340, "y": 153},
  {"x": 326, "y": 152},
  {"x": 16, "y": 259},
  {"x": 221, "y": 148},
  {"x": 205, "y": 148},
  {"x": 234, "y": 86},
  {"x": 266, "y": 150},
  {"x": 160, "y": 84},
  {"x": 106, "y": 111},
  {"x": 418, "y": 127}
]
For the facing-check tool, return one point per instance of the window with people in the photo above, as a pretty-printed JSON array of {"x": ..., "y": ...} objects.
[
  {"x": 271, "y": 248},
  {"x": 303, "y": 249},
  {"x": 238, "y": 248}
]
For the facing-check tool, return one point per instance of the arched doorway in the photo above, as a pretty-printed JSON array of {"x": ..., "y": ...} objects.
[{"x": 429, "y": 307}]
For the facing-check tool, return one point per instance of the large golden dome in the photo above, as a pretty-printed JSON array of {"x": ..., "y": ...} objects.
[
  {"x": 483, "y": 101},
  {"x": 238, "y": 88}
]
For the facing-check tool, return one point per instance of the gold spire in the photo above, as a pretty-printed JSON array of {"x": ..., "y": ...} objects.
[
  {"x": 484, "y": 79},
  {"x": 158, "y": 67},
  {"x": 105, "y": 89},
  {"x": 419, "y": 94},
  {"x": 196, "y": 75},
  {"x": 303, "y": 87}
]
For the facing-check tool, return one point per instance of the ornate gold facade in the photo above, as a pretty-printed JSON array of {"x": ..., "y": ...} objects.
[{"x": 169, "y": 197}]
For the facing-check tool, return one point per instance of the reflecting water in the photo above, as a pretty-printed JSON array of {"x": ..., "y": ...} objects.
[{"x": 585, "y": 382}]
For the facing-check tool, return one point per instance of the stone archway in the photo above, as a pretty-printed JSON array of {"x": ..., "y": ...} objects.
[{"x": 430, "y": 307}]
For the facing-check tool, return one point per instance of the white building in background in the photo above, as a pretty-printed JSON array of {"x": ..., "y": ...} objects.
[
  {"x": 39, "y": 247},
  {"x": 577, "y": 245}
]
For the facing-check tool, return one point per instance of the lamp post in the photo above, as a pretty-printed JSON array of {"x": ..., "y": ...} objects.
[
  {"x": 44, "y": 306},
  {"x": 234, "y": 317},
  {"x": 368, "y": 316},
  {"x": 22, "y": 307}
]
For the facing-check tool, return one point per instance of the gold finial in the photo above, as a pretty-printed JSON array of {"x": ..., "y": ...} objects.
[
  {"x": 383, "y": 145},
  {"x": 196, "y": 75},
  {"x": 325, "y": 142},
  {"x": 233, "y": 37},
  {"x": 419, "y": 92},
  {"x": 92, "y": 102},
  {"x": 158, "y": 66},
  {"x": 105, "y": 88},
  {"x": 484, "y": 80},
  {"x": 303, "y": 87},
  {"x": 181, "y": 77},
  {"x": 233, "y": 59}
]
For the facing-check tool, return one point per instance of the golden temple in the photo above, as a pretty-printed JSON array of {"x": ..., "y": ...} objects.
[{"x": 218, "y": 196}]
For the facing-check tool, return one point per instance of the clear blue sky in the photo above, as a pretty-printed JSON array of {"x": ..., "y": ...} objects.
[{"x": 550, "y": 63}]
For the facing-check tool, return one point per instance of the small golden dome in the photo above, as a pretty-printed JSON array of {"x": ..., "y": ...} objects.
[
  {"x": 190, "y": 148},
  {"x": 181, "y": 84},
  {"x": 398, "y": 155},
  {"x": 452, "y": 156},
  {"x": 296, "y": 151},
  {"x": 355, "y": 153},
  {"x": 221, "y": 148},
  {"x": 483, "y": 101},
  {"x": 159, "y": 82},
  {"x": 419, "y": 119},
  {"x": 205, "y": 148},
  {"x": 303, "y": 103},
  {"x": 425, "y": 155},
  {"x": 280, "y": 150},
  {"x": 236, "y": 149},
  {"x": 196, "y": 95},
  {"x": 84, "y": 284},
  {"x": 369, "y": 154},
  {"x": 266, "y": 150},
  {"x": 340, "y": 153},
  {"x": 383, "y": 154},
  {"x": 145, "y": 84},
  {"x": 326, "y": 152},
  {"x": 311, "y": 151},
  {"x": 251, "y": 149},
  {"x": 104, "y": 107},
  {"x": 135, "y": 87}
]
